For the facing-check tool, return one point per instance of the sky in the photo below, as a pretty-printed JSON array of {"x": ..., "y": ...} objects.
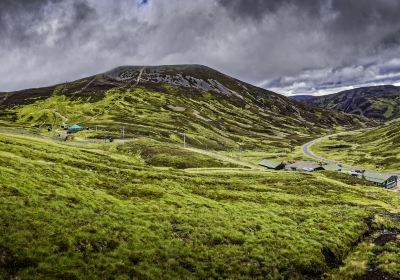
[{"x": 289, "y": 46}]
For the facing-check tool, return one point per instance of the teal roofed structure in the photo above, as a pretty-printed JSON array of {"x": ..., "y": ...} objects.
[{"x": 74, "y": 128}]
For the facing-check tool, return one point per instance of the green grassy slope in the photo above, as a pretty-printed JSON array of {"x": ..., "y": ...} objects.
[
  {"x": 377, "y": 148},
  {"x": 214, "y": 110},
  {"x": 85, "y": 212},
  {"x": 378, "y": 102},
  {"x": 159, "y": 154}
]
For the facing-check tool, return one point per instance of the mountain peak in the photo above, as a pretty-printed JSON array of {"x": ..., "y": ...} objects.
[
  {"x": 194, "y": 76},
  {"x": 120, "y": 70}
]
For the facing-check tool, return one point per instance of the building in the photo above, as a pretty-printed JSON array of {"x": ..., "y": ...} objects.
[
  {"x": 304, "y": 166},
  {"x": 384, "y": 180},
  {"x": 272, "y": 164},
  {"x": 74, "y": 129},
  {"x": 332, "y": 167}
]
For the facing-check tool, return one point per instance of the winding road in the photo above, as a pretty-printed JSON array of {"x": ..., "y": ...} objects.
[{"x": 306, "y": 151}]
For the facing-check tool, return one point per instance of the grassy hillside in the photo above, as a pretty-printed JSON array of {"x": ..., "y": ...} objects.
[
  {"x": 377, "y": 148},
  {"x": 91, "y": 211},
  {"x": 155, "y": 153},
  {"x": 213, "y": 110},
  {"x": 379, "y": 102}
]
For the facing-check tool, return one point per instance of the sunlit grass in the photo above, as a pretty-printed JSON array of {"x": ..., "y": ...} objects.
[
  {"x": 377, "y": 149},
  {"x": 77, "y": 211}
]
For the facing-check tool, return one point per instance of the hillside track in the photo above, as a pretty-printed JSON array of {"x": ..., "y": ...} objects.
[{"x": 112, "y": 106}]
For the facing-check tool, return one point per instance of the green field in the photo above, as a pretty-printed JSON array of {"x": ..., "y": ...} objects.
[
  {"x": 179, "y": 195},
  {"x": 103, "y": 211},
  {"x": 377, "y": 148}
]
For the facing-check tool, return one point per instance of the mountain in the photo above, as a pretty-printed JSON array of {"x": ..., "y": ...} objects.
[
  {"x": 146, "y": 208},
  {"x": 162, "y": 102},
  {"x": 304, "y": 98},
  {"x": 378, "y": 102}
]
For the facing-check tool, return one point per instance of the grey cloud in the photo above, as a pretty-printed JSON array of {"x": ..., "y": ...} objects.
[
  {"x": 324, "y": 81},
  {"x": 310, "y": 44},
  {"x": 257, "y": 9},
  {"x": 26, "y": 23},
  {"x": 343, "y": 20}
]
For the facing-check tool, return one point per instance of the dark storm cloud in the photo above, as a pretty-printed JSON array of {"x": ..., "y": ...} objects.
[
  {"x": 23, "y": 23},
  {"x": 257, "y": 9},
  {"x": 292, "y": 46},
  {"x": 339, "y": 18},
  {"x": 363, "y": 38}
]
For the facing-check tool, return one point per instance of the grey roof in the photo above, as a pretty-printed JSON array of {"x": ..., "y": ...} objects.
[
  {"x": 270, "y": 163},
  {"x": 304, "y": 165},
  {"x": 377, "y": 177},
  {"x": 332, "y": 167}
]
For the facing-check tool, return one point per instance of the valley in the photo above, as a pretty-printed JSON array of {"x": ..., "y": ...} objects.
[
  {"x": 152, "y": 172},
  {"x": 80, "y": 206},
  {"x": 219, "y": 139}
]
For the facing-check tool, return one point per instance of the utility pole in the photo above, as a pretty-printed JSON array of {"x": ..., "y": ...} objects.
[
  {"x": 96, "y": 127},
  {"x": 123, "y": 132},
  {"x": 184, "y": 137},
  {"x": 240, "y": 151}
]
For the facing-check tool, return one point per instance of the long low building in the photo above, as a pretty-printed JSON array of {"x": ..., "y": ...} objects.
[
  {"x": 384, "y": 180},
  {"x": 301, "y": 166},
  {"x": 304, "y": 166},
  {"x": 272, "y": 164},
  {"x": 332, "y": 167}
]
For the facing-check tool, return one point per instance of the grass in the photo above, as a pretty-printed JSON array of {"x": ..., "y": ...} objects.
[
  {"x": 146, "y": 208},
  {"x": 380, "y": 258},
  {"x": 377, "y": 148},
  {"x": 155, "y": 153},
  {"x": 163, "y": 112},
  {"x": 84, "y": 212},
  {"x": 255, "y": 156}
]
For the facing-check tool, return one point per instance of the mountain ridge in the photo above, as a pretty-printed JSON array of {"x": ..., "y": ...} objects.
[
  {"x": 376, "y": 102},
  {"x": 214, "y": 109}
]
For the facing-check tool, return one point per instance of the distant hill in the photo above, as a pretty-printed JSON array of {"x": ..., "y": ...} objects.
[
  {"x": 161, "y": 102},
  {"x": 304, "y": 98},
  {"x": 377, "y": 102}
]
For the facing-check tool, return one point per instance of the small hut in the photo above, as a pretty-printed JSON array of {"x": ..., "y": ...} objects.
[{"x": 74, "y": 129}]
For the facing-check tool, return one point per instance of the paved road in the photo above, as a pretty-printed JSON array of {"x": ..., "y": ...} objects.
[{"x": 306, "y": 150}]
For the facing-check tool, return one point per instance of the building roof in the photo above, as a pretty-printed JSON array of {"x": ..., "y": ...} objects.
[
  {"x": 270, "y": 163},
  {"x": 75, "y": 126},
  {"x": 304, "y": 165},
  {"x": 377, "y": 177},
  {"x": 332, "y": 167}
]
